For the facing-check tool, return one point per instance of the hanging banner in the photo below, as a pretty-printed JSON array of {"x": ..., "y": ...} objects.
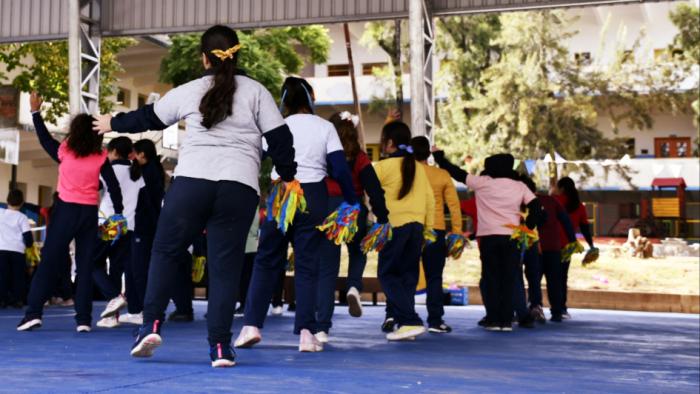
[{"x": 9, "y": 146}]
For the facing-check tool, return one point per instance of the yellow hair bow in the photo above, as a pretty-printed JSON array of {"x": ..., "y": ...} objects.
[{"x": 227, "y": 54}]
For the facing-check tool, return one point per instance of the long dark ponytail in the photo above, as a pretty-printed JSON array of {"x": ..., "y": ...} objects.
[
  {"x": 400, "y": 135},
  {"x": 217, "y": 103},
  {"x": 124, "y": 147},
  {"x": 148, "y": 148},
  {"x": 568, "y": 186}
]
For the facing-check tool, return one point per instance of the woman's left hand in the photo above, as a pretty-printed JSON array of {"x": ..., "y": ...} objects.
[{"x": 102, "y": 123}]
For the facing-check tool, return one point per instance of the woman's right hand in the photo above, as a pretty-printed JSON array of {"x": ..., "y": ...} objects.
[
  {"x": 102, "y": 123},
  {"x": 35, "y": 102}
]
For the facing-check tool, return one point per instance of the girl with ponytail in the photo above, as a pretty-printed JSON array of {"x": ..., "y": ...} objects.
[
  {"x": 319, "y": 154},
  {"x": 411, "y": 205},
  {"x": 227, "y": 115},
  {"x": 119, "y": 152}
]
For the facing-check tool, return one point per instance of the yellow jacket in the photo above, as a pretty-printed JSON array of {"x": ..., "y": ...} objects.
[
  {"x": 417, "y": 206},
  {"x": 445, "y": 193}
]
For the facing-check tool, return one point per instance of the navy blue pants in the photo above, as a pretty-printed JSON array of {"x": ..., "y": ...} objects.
[
  {"x": 225, "y": 209},
  {"x": 564, "y": 284},
  {"x": 136, "y": 271},
  {"x": 434, "y": 256},
  {"x": 119, "y": 254},
  {"x": 519, "y": 301},
  {"x": 68, "y": 221},
  {"x": 330, "y": 266},
  {"x": 245, "y": 277},
  {"x": 552, "y": 268},
  {"x": 533, "y": 273},
  {"x": 13, "y": 277},
  {"x": 398, "y": 272},
  {"x": 183, "y": 288},
  {"x": 272, "y": 258},
  {"x": 64, "y": 283},
  {"x": 499, "y": 258}
]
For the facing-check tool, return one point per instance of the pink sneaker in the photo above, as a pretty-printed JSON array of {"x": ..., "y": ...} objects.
[
  {"x": 249, "y": 336},
  {"x": 308, "y": 342}
]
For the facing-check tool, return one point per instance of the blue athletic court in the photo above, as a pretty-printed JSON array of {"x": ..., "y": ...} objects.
[{"x": 598, "y": 351}]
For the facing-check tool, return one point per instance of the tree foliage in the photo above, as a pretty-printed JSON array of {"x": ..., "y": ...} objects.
[
  {"x": 267, "y": 55},
  {"x": 512, "y": 85},
  {"x": 43, "y": 66},
  {"x": 383, "y": 34}
]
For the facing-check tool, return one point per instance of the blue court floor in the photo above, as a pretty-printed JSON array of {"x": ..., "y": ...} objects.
[{"x": 597, "y": 351}]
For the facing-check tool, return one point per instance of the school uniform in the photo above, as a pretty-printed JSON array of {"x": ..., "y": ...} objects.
[
  {"x": 251, "y": 249},
  {"x": 216, "y": 167},
  {"x": 15, "y": 237},
  {"x": 73, "y": 217},
  {"x": 364, "y": 179},
  {"x": 578, "y": 219},
  {"x": 435, "y": 254},
  {"x": 119, "y": 252},
  {"x": 399, "y": 260},
  {"x": 318, "y": 153},
  {"x": 148, "y": 207}
]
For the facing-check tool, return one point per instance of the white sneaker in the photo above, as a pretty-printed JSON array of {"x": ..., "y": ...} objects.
[
  {"x": 354, "y": 302},
  {"x": 28, "y": 324},
  {"x": 308, "y": 342},
  {"x": 109, "y": 322},
  {"x": 132, "y": 318},
  {"x": 114, "y": 305},
  {"x": 83, "y": 328},
  {"x": 322, "y": 336},
  {"x": 249, "y": 336},
  {"x": 405, "y": 333},
  {"x": 276, "y": 311}
]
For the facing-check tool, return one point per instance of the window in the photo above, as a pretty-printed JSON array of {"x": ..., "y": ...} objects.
[
  {"x": 338, "y": 70},
  {"x": 368, "y": 67},
  {"x": 582, "y": 58},
  {"x": 630, "y": 144},
  {"x": 672, "y": 147},
  {"x": 661, "y": 55},
  {"x": 124, "y": 97},
  {"x": 142, "y": 100},
  {"x": 373, "y": 151}
]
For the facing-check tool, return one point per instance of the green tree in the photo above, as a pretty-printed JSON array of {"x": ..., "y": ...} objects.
[
  {"x": 43, "y": 66},
  {"x": 387, "y": 35},
  {"x": 267, "y": 55}
]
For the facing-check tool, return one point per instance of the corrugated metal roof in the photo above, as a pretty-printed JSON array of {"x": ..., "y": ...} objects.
[{"x": 28, "y": 20}]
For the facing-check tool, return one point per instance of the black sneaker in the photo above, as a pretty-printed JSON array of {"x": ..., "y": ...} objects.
[
  {"x": 292, "y": 307},
  {"x": 222, "y": 356},
  {"x": 507, "y": 327},
  {"x": 441, "y": 328},
  {"x": 28, "y": 324},
  {"x": 147, "y": 340},
  {"x": 556, "y": 318},
  {"x": 526, "y": 322},
  {"x": 489, "y": 326},
  {"x": 179, "y": 317},
  {"x": 388, "y": 325},
  {"x": 483, "y": 322}
]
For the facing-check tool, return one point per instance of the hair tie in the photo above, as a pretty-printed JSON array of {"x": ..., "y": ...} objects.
[
  {"x": 227, "y": 54},
  {"x": 346, "y": 115},
  {"x": 308, "y": 96},
  {"x": 407, "y": 148}
]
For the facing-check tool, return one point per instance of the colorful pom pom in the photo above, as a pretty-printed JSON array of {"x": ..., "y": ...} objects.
[
  {"x": 113, "y": 228},
  {"x": 524, "y": 236},
  {"x": 198, "y": 265},
  {"x": 376, "y": 237},
  {"x": 455, "y": 245},
  {"x": 33, "y": 256},
  {"x": 284, "y": 202},
  {"x": 341, "y": 225},
  {"x": 429, "y": 236},
  {"x": 591, "y": 256},
  {"x": 571, "y": 249}
]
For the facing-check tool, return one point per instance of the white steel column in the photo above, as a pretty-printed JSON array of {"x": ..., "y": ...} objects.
[
  {"x": 84, "y": 45},
  {"x": 420, "y": 25}
]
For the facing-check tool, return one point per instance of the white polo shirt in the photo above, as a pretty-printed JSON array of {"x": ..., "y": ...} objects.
[
  {"x": 130, "y": 195},
  {"x": 314, "y": 139},
  {"x": 13, "y": 224}
]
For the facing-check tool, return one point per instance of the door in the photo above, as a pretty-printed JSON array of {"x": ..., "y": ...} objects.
[{"x": 672, "y": 147}]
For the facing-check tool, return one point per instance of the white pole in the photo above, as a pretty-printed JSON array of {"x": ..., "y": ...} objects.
[
  {"x": 74, "y": 57},
  {"x": 415, "y": 27}
]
